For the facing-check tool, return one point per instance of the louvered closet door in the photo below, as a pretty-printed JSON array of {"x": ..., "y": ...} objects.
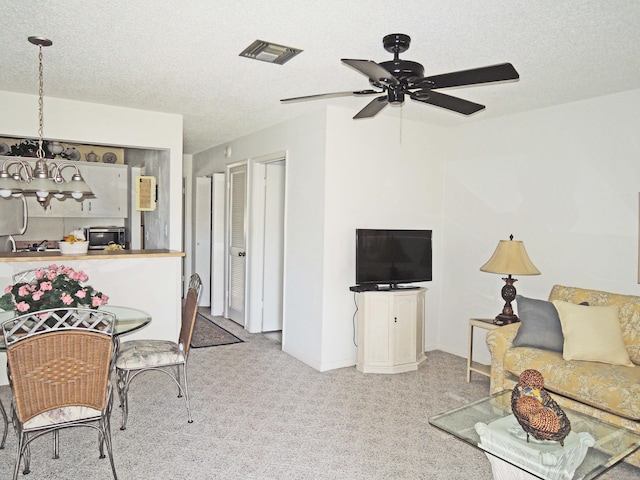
[{"x": 237, "y": 244}]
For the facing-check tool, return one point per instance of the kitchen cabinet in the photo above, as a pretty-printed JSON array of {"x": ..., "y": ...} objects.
[
  {"x": 390, "y": 330},
  {"x": 69, "y": 207},
  {"x": 109, "y": 184}
]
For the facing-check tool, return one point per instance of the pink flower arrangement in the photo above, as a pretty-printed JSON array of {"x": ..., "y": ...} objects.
[{"x": 52, "y": 287}]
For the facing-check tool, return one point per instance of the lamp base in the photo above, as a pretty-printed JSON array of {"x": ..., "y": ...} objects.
[
  {"x": 503, "y": 319},
  {"x": 508, "y": 295}
]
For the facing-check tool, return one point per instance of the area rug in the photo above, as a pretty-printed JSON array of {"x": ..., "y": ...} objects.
[{"x": 208, "y": 334}]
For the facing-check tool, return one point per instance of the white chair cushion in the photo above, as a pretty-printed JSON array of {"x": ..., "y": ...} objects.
[
  {"x": 64, "y": 415},
  {"x": 61, "y": 415},
  {"x": 137, "y": 354}
]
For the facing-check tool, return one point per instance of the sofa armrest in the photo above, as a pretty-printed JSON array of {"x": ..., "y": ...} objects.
[{"x": 498, "y": 341}]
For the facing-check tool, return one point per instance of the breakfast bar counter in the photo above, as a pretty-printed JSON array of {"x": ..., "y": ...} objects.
[
  {"x": 148, "y": 280},
  {"x": 50, "y": 255}
]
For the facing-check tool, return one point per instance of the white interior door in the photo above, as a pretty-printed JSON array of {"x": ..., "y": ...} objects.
[
  {"x": 217, "y": 244},
  {"x": 273, "y": 247},
  {"x": 202, "y": 237},
  {"x": 237, "y": 241}
]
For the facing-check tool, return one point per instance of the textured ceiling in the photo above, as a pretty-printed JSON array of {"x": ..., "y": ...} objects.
[{"x": 182, "y": 56}]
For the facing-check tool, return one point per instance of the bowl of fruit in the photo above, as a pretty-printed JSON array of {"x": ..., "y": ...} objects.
[{"x": 74, "y": 244}]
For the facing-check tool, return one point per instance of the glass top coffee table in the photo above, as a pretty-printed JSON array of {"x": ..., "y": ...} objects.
[{"x": 591, "y": 447}]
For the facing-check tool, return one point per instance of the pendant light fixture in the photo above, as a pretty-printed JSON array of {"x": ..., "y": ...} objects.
[{"x": 43, "y": 180}]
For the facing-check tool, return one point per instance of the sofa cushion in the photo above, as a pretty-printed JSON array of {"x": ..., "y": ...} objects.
[
  {"x": 592, "y": 333},
  {"x": 628, "y": 311},
  {"x": 540, "y": 325},
  {"x": 612, "y": 388}
]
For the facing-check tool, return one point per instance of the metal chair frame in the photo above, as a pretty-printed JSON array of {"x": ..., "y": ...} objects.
[
  {"x": 81, "y": 376},
  {"x": 5, "y": 421},
  {"x": 126, "y": 375}
]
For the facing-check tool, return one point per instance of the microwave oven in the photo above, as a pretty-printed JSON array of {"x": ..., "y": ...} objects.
[{"x": 100, "y": 238}]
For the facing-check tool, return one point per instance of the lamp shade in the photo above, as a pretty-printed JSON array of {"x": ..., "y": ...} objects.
[
  {"x": 41, "y": 187},
  {"x": 77, "y": 187},
  {"x": 510, "y": 258},
  {"x": 8, "y": 186}
]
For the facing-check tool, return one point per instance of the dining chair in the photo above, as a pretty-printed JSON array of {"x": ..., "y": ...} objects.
[
  {"x": 59, "y": 362},
  {"x": 168, "y": 357},
  {"x": 26, "y": 276},
  {"x": 5, "y": 422}
]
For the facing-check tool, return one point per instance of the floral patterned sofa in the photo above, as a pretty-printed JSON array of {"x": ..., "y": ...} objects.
[{"x": 606, "y": 386}]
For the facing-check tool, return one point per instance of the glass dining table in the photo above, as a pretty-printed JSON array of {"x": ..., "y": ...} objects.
[{"x": 128, "y": 320}]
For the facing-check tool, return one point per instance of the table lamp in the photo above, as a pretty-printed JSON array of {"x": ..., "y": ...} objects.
[{"x": 510, "y": 258}]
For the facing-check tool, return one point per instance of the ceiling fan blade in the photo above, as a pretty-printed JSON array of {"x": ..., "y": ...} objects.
[
  {"x": 373, "y": 107},
  {"x": 371, "y": 69},
  {"x": 493, "y": 73},
  {"x": 446, "y": 101},
  {"x": 331, "y": 95}
]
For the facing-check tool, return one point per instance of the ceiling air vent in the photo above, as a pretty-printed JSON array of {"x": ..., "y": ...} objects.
[{"x": 270, "y": 52}]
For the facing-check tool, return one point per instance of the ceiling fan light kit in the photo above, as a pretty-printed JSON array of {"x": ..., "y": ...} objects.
[{"x": 398, "y": 78}]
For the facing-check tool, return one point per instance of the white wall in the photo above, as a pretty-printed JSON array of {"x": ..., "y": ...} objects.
[
  {"x": 303, "y": 139},
  {"x": 342, "y": 175},
  {"x": 380, "y": 173},
  {"x": 81, "y": 122},
  {"x": 565, "y": 181}
]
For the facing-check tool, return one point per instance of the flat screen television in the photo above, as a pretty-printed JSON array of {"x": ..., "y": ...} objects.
[{"x": 393, "y": 257}]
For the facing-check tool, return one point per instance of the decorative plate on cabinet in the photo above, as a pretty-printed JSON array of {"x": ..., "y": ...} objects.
[
  {"x": 4, "y": 148},
  {"x": 71, "y": 154},
  {"x": 109, "y": 157}
]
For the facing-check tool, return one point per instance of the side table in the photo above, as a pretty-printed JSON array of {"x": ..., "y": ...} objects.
[{"x": 486, "y": 324}]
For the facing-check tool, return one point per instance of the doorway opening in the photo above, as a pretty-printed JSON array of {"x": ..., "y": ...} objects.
[{"x": 255, "y": 244}]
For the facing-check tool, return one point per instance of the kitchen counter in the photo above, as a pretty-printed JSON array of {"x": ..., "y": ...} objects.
[
  {"x": 48, "y": 256},
  {"x": 149, "y": 280}
]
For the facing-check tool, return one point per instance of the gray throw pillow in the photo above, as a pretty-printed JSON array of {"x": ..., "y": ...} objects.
[{"x": 540, "y": 326}]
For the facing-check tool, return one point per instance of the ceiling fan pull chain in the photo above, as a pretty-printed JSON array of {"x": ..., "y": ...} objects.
[{"x": 401, "y": 122}]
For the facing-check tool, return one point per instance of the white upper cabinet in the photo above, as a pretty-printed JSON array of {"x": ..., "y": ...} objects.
[{"x": 109, "y": 184}]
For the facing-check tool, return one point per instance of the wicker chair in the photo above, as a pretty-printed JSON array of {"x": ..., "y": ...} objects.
[
  {"x": 59, "y": 362},
  {"x": 26, "y": 276},
  {"x": 137, "y": 356}
]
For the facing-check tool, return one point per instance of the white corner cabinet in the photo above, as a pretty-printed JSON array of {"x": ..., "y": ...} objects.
[
  {"x": 109, "y": 184},
  {"x": 390, "y": 330}
]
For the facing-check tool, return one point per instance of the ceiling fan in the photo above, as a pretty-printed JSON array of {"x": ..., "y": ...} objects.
[{"x": 397, "y": 78}]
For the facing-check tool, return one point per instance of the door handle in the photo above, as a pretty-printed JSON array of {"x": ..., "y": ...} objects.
[{"x": 242, "y": 254}]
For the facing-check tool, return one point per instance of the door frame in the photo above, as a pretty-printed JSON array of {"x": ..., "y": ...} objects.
[
  {"x": 254, "y": 228},
  {"x": 255, "y": 239}
]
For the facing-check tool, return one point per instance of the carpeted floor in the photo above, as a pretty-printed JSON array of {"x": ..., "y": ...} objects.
[
  {"x": 260, "y": 414},
  {"x": 206, "y": 333}
]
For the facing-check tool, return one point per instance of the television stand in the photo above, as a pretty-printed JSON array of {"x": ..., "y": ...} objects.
[{"x": 391, "y": 330}]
